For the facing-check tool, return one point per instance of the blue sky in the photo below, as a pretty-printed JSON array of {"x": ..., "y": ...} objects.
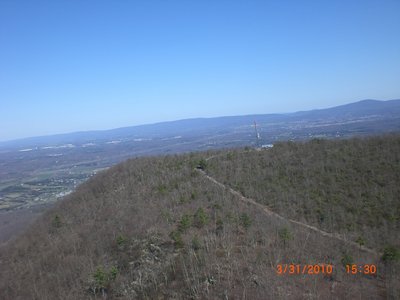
[{"x": 81, "y": 65}]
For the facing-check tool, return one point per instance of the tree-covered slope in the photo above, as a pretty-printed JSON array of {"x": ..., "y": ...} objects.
[
  {"x": 158, "y": 228},
  {"x": 344, "y": 186}
]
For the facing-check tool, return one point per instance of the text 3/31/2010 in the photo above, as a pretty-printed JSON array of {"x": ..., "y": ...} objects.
[{"x": 315, "y": 269}]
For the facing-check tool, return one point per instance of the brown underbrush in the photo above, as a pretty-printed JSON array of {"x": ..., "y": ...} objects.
[{"x": 156, "y": 228}]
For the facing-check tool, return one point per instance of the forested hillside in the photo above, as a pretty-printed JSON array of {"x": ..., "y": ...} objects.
[
  {"x": 347, "y": 186},
  {"x": 159, "y": 228}
]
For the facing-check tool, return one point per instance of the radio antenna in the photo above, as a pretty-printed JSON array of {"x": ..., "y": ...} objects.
[{"x": 257, "y": 135}]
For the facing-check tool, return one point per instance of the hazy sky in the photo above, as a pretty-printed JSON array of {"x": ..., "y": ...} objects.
[{"x": 79, "y": 65}]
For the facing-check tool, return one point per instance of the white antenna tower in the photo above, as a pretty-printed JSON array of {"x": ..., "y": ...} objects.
[{"x": 257, "y": 134}]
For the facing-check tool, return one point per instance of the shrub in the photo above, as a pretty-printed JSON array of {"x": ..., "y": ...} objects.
[
  {"x": 185, "y": 223},
  {"x": 361, "y": 241},
  {"x": 202, "y": 164},
  {"x": 200, "y": 218},
  {"x": 121, "y": 241},
  {"x": 346, "y": 259},
  {"x": 390, "y": 253},
  {"x": 100, "y": 278},
  {"x": 219, "y": 226},
  {"x": 57, "y": 221},
  {"x": 196, "y": 245},
  {"x": 245, "y": 220},
  {"x": 177, "y": 238},
  {"x": 285, "y": 235},
  {"x": 113, "y": 273}
]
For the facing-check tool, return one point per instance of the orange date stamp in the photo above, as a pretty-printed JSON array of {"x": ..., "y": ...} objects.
[
  {"x": 308, "y": 269},
  {"x": 324, "y": 269},
  {"x": 367, "y": 269}
]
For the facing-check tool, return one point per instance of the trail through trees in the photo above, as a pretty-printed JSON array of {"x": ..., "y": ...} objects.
[{"x": 269, "y": 212}]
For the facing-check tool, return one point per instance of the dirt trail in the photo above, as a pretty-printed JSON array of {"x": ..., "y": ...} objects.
[{"x": 269, "y": 212}]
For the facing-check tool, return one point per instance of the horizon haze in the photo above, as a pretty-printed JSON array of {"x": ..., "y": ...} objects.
[{"x": 370, "y": 105}]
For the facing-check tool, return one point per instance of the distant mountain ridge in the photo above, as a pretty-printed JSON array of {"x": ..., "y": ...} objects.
[
  {"x": 198, "y": 126},
  {"x": 360, "y": 108}
]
